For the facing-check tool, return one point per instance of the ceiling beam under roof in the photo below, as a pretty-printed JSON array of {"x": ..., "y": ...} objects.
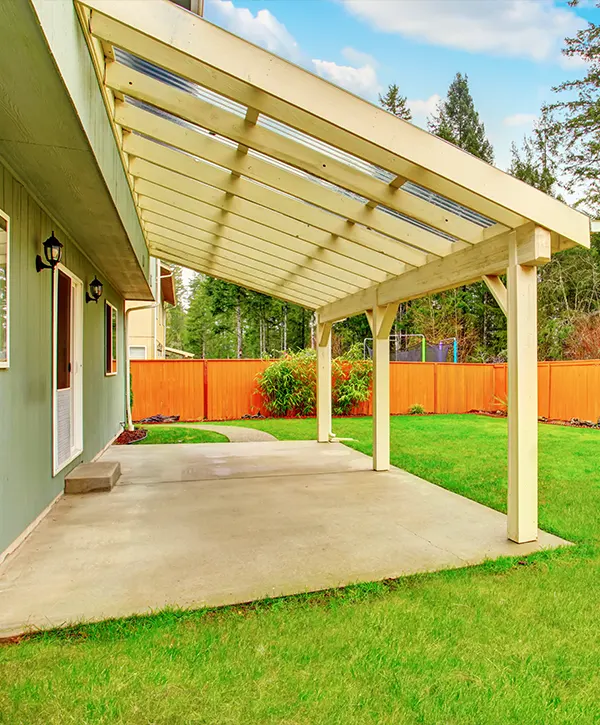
[
  {"x": 235, "y": 68},
  {"x": 271, "y": 225},
  {"x": 290, "y": 180},
  {"x": 223, "y": 261},
  {"x": 257, "y": 169},
  {"x": 227, "y": 275},
  {"x": 133, "y": 83},
  {"x": 464, "y": 267},
  {"x": 181, "y": 219},
  {"x": 207, "y": 242},
  {"x": 151, "y": 153}
]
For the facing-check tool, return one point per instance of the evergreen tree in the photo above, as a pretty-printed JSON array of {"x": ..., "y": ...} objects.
[
  {"x": 457, "y": 121},
  {"x": 394, "y": 102},
  {"x": 536, "y": 161},
  {"x": 175, "y": 321},
  {"x": 578, "y": 119}
]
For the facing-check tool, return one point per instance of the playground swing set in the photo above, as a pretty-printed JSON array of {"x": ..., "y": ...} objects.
[{"x": 415, "y": 348}]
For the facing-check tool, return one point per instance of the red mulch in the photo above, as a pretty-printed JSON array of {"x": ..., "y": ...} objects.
[{"x": 131, "y": 436}]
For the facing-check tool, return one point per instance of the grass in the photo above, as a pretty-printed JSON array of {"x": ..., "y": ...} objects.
[
  {"x": 513, "y": 641},
  {"x": 179, "y": 434}
]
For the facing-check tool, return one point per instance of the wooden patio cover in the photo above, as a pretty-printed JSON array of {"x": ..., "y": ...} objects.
[{"x": 248, "y": 168}]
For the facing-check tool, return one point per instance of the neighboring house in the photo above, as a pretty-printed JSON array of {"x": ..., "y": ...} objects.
[
  {"x": 62, "y": 359},
  {"x": 147, "y": 325}
]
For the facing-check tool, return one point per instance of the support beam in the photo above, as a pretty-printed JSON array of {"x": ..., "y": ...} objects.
[
  {"x": 533, "y": 247},
  {"x": 270, "y": 223},
  {"x": 273, "y": 175},
  {"x": 227, "y": 260},
  {"x": 498, "y": 290},
  {"x": 213, "y": 242},
  {"x": 205, "y": 217},
  {"x": 246, "y": 280},
  {"x": 522, "y": 400},
  {"x": 323, "y": 382},
  {"x": 121, "y": 78},
  {"x": 382, "y": 321}
]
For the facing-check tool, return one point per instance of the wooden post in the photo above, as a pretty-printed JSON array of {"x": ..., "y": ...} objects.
[
  {"x": 382, "y": 321},
  {"x": 323, "y": 382},
  {"x": 522, "y": 399}
]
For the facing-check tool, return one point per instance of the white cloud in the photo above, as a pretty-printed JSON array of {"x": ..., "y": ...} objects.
[
  {"x": 532, "y": 29},
  {"x": 361, "y": 80},
  {"x": 357, "y": 58},
  {"x": 262, "y": 29},
  {"x": 421, "y": 108},
  {"x": 520, "y": 119}
]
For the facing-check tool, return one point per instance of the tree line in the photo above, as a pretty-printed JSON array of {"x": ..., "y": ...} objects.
[{"x": 561, "y": 157}]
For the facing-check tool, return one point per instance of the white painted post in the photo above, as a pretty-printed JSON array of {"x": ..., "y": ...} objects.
[
  {"x": 522, "y": 399},
  {"x": 381, "y": 324},
  {"x": 323, "y": 382}
]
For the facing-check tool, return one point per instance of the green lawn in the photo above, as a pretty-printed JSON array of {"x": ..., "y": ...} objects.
[
  {"x": 179, "y": 434},
  {"x": 512, "y": 642}
]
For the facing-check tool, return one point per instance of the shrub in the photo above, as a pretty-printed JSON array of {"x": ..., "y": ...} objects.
[
  {"x": 416, "y": 409},
  {"x": 351, "y": 380},
  {"x": 288, "y": 385}
]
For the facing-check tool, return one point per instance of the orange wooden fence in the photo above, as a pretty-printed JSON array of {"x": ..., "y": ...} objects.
[{"x": 226, "y": 389}]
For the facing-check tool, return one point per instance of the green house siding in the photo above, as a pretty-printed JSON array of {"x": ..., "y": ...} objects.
[{"x": 27, "y": 485}]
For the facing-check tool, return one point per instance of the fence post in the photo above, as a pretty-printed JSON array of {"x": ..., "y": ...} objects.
[{"x": 205, "y": 387}]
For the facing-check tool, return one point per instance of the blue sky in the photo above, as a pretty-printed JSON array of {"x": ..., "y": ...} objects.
[{"x": 509, "y": 48}]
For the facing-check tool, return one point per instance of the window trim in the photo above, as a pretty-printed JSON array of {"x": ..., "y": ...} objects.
[
  {"x": 141, "y": 347},
  {"x": 108, "y": 340},
  {"x": 5, "y": 364}
]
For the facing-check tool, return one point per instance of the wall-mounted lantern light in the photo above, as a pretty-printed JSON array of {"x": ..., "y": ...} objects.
[
  {"x": 52, "y": 252},
  {"x": 95, "y": 291}
]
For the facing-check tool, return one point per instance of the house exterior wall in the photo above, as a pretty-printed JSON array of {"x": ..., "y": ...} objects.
[
  {"x": 147, "y": 327},
  {"x": 27, "y": 485}
]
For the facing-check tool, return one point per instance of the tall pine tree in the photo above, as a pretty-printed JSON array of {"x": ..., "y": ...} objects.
[
  {"x": 395, "y": 103},
  {"x": 457, "y": 121}
]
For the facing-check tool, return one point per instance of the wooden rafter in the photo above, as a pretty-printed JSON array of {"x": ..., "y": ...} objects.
[
  {"x": 263, "y": 222},
  {"x": 228, "y": 65}
]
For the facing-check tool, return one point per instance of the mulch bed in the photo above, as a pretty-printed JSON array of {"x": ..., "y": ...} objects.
[
  {"x": 160, "y": 419},
  {"x": 131, "y": 436},
  {"x": 573, "y": 423}
]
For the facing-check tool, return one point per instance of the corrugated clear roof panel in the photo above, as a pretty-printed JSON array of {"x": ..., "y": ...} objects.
[
  {"x": 447, "y": 204},
  {"x": 282, "y": 129}
]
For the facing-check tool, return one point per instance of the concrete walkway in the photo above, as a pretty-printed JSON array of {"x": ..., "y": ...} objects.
[
  {"x": 207, "y": 524},
  {"x": 236, "y": 434}
]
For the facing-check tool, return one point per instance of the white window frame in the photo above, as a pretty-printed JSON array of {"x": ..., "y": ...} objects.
[
  {"x": 6, "y": 363},
  {"x": 111, "y": 373},
  {"x": 140, "y": 347}
]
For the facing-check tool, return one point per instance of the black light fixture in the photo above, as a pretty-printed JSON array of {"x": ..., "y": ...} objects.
[
  {"x": 95, "y": 291},
  {"x": 52, "y": 252}
]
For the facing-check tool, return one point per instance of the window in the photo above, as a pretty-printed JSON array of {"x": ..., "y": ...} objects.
[
  {"x": 110, "y": 337},
  {"x": 137, "y": 352},
  {"x": 4, "y": 321}
]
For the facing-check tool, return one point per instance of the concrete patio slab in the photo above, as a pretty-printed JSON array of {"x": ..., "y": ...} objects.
[{"x": 208, "y": 524}]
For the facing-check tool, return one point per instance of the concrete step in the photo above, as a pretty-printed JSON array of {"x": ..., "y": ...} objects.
[{"x": 89, "y": 477}]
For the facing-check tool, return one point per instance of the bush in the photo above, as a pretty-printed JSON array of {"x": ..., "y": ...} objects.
[
  {"x": 288, "y": 385},
  {"x": 416, "y": 409},
  {"x": 351, "y": 380}
]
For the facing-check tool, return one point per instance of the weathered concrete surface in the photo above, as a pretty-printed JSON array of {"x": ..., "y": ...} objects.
[
  {"x": 208, "y": 524},
  {"x": 236, "y": 434},
  {"x": 96, "y": 476}
]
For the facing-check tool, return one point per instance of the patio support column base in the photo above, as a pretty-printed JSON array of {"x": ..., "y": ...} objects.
[
  {"x": 323, "y": 382},
  {"x": 381, "y": 323},
  {"x": 522, "y": 399}
]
